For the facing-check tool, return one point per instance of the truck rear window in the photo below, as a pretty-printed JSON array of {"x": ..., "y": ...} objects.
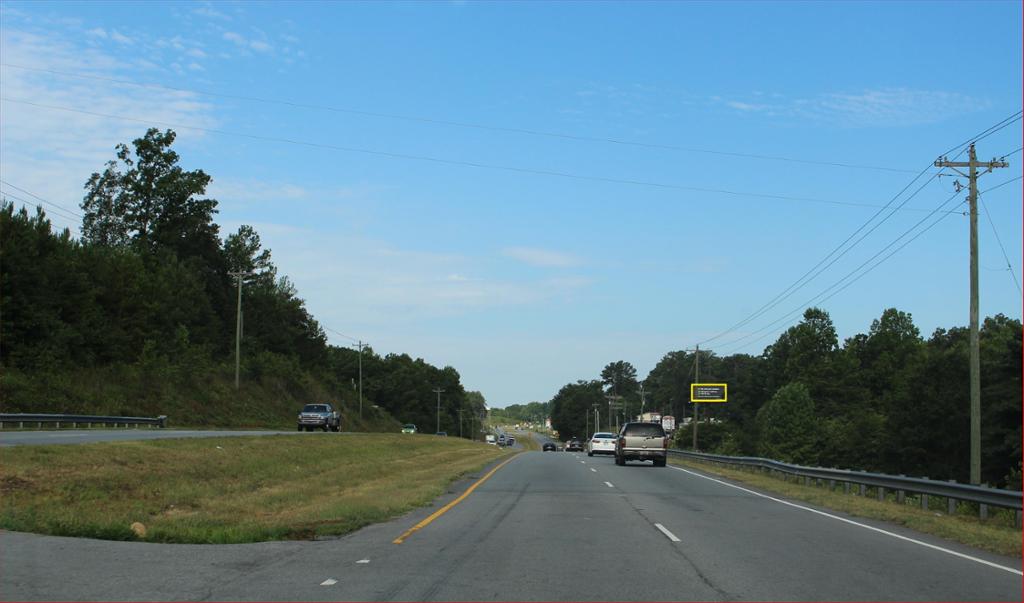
[
  {"x": 651, "y": 430},
  {"x": 314, "y": 408}
]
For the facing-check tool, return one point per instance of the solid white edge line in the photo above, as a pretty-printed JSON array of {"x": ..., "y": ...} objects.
[
  {"x": 665, "y": 531},
  {"x": 609, "y": 484},
  {"x": 858, "y": 524}
]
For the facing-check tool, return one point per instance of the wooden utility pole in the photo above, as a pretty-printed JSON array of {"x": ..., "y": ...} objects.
[
  {"x": 438, "y": 391},
  {"x": 238, "y": 325},
  {"x": 972, "y": 165},
  {"x": 696, "y": 379},
  {"x": 361, "y": 345}
]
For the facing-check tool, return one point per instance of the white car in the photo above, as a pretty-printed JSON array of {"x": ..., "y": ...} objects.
[
  {"x": 489, "y": 438},
  {"x": 601, "y": 443}
]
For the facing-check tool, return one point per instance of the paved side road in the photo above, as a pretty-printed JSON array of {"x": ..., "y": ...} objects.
[
  {"x": 545, "y": 527},
  {"x": 88, "y": 436}
]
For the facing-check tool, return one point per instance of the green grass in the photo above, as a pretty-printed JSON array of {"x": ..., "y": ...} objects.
[
  {"x": 996, "y": 534},
  {"x": 203, "y": 397},
  {"x": 229, "y": 490}
]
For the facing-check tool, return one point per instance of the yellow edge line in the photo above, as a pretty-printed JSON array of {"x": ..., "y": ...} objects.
[{"x": 445, "y": 508}]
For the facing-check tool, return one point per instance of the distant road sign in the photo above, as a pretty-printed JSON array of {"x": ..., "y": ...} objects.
[{"x": 708, "y": 392}]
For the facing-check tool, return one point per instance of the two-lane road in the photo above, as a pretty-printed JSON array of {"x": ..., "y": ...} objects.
[{"x": 546, "y": 526}]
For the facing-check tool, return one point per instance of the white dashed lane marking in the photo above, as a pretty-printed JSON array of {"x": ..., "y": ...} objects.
[
  {"x": 609, "y": 484},
  {"x": 665, "y": 531},
  {"x": 329, "y": 582}
]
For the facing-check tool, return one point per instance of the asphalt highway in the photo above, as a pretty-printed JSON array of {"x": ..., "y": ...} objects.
[{"x": 547, "y": 526}]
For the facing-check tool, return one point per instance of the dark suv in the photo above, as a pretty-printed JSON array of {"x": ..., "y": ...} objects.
[
  {"x": 574, "y": 445},
  {"x": 641, "y": 442}
]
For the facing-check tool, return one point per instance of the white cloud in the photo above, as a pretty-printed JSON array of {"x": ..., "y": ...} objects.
[
  {"x": 884, "y": 107},
  {"x": 193, "y": 66},
  {"x": 52, "y": 152},
  {"x": 544, "y": 258},
  {"x": 246, "y": 43},
  {"x": 98, "y": 32},
  {"x": 231, "y": 36},
  {"x": 745, "y": 106},
  {"x": 210, "y": 13},
  {"x": 120, "y": 38},
  {"x": 196, "y": 53}
]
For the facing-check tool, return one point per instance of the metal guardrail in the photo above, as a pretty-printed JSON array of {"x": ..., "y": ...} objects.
[
  {"x": 951, "y": 490},
  {"x": 74, "y": 420}
]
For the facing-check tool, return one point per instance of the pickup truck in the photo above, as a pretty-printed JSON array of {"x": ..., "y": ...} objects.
[
  {"x": 321, "y": 415},
  {"x": 641, "y": 442}
]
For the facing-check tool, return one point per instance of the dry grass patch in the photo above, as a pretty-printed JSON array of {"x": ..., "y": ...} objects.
[
  {"x": 237, "y": 489},
  {"x": 996, "y": 534}
]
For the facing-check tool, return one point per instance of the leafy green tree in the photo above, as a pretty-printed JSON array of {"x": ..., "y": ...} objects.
[
  {"x": 669, "y": 383},
  {"x": 148, "y": 200},
  {"x": 619, "y": 379},
  {"x": 244, "y": 252},
  {"x": 788, "y": 426},
  {"x": 570, "y": 406}
]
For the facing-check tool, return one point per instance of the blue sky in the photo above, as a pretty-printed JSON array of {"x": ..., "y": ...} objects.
[{"x": 562, "y": 247}]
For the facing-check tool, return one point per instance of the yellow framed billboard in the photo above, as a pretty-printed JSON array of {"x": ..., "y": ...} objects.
[{"x": 709, "y": 392}]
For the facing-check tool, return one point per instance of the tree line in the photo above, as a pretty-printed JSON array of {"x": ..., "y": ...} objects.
[
  {"x": 887, "y": 400},
  {"x": 138, "y": 315}
]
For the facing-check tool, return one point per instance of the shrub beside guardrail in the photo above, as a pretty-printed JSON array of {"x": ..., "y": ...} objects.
[
  {"x": 75, "y": 420},
  {"x": 951, "y": 490}
]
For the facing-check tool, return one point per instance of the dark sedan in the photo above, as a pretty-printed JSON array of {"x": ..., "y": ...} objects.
[
  {"x": 549, "y": 446},
  {"x": 574, "y": 445}
]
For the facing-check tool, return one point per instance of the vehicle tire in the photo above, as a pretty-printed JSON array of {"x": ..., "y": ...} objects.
[
  {"x": 300, "y": 427},
  {"x": 619, "y": 460},
  {"x": 336, "y": 428},
  {"x": 590, "y": 454},
  {"x": 659, "y": 462}
]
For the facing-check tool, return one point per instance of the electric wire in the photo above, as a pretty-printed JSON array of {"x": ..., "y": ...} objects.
[
  {"x": 801, "y": 282},
  {"x": 340, "y": 334},
  {"x": 942, "y": 215},
  {"x": 35, "y": 196},
  {"x": 474, "y": 164},
  {"x": 526, "y": 131},
  {"x": 56, "y": 211},
  {"x": 1009, "y": 266},
  {"x": 818, "y": 299}
]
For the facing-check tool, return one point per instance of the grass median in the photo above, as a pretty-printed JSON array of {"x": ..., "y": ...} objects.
[
  {"x": 229, "y": 490},
  {"x": 997, "y": 534}
]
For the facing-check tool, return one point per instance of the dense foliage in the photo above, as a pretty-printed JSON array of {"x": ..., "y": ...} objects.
[
  {"x": 888, "y": 400},
  {"x": 139, "y": 315}
]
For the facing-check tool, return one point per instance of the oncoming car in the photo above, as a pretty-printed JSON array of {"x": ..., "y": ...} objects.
[
  {"x": 408, "y": 428},
  {"x": 601, "y": 443},
  {"x": 549, "y": 446}
]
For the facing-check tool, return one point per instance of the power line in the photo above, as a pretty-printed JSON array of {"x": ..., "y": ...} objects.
[
  {"x": 27, "y": 203},
  {"x": 340, "y": 334},
  {"x": 1009, "y": 266},
  {"x": 815, "y": 299},
  {"x": 490, "y": 166},
  {"x": 526, "y": 131},
  {"x": 34, "y": 196},
  {"x": 801, "y": 282},
  {"x": 937, "y": 211}
]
